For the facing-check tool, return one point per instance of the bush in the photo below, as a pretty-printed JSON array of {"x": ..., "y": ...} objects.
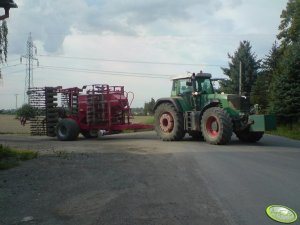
[{"x": 26, "y": 111}]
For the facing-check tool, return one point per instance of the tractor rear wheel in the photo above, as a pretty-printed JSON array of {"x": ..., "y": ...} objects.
[
  {"x": 249, "y": 136},
  {"x": 67, "y": 130},
  {"x": 168, "y": 122},
  {"x": 216, "y": 126}
]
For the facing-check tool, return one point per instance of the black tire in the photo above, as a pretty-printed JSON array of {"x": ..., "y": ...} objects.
[
  {"x": 196, "y": 135},
  {"x": 51, "y": 110},
  {"x": 89, "y": 135},
  {"x": 67, "y": 130},
  {"x": 51, "y": 124},
  {"x": 52, "y": 114},
  {"x": 249, "y": 136},
  {"x": 168, "y": 123},
  {"x": 51, "y": 132},
  {"x": 51, "y": 105},
  {"x": 51, "y": 99},
  {"x": 50, "y": 95},
  {"x": 216, "y": 126}
]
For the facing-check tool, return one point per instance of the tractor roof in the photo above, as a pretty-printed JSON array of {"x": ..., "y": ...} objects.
[{"x": 201, "y": 74}]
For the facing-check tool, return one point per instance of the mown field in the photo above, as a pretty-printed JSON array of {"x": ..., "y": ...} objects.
[{"x": 10, "y": 125}]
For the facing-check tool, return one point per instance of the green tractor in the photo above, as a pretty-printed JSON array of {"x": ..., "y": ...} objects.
[{"x": 196, "y": 109}]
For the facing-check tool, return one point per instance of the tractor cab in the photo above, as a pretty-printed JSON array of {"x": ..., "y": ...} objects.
[
  {"x": 196, "y": 84},
  {"x": 192, "y": 91}
]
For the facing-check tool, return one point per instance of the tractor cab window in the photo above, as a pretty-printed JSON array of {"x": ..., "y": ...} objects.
[
  {"x": 184, "y": 86},
  {"x": 205, "y": 86}
]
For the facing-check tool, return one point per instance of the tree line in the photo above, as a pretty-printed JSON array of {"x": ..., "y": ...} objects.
[{"x": 274, "y": 81}]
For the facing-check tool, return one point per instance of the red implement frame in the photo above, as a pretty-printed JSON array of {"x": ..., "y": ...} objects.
[{"x": 99, "y": 107}]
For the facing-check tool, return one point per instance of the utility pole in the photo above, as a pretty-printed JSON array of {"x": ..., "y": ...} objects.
[
  {"x": 29, "y": 56},
  {"x": 240, "y": 79},
  {"x": 16, "y": 101}
]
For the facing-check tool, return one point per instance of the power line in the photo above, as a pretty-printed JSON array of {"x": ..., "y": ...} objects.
[
  {"x": 107, "y": 72},
  {"x": 133, "y": 61},
  {"x": 17, "y": 71},
  {"x": 8, "y": 66}
]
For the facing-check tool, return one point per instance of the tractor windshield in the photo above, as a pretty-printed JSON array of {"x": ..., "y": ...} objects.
[{"x": 204, "y": 86}]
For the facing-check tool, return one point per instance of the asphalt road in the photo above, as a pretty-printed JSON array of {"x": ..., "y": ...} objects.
[{"x": 138, "y": 179}]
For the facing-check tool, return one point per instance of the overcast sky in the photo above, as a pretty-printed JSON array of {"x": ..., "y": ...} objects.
[{"x": 138, "y": 44}]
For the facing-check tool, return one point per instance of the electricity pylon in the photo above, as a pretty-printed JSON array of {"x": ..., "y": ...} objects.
[{"x": 31, "y": 50}]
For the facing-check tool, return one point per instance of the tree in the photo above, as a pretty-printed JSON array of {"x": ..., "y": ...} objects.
[
  {"x": 148, "y": 107},
  {"x": 26, "y": 111},
  {"x": 285, "y": 92},
  {"x": 271, "y": 62},
  {"x": 250, "y": 66},
  {"x": 3, "y": 41},
  {"x": 290, "y": 23},
  {"x": 261, "y": 92},
  {"x": 286, "y": 89}
]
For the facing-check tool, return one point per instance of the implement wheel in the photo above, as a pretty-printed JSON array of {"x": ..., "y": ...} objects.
[
  {"x": 249, "y": 136},
  {"x": 168, "y": 123},
  {"x": 67, "y": 130},
  {"x": 216, "y": 126}
]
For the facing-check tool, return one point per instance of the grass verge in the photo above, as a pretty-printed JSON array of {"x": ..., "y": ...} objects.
[
  {"x": 11, "y": 157},
  {"x": 285, "y": 131},
  {"x": 149, "y": 120}
]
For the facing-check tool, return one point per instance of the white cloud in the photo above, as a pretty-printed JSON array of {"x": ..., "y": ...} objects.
[{"x": 186, "y": 31}]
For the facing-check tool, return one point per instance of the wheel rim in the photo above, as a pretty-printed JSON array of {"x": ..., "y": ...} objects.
[
  {"x": 212, "y": 126},
  {"x": 62, "y": 131},
  {"x": 166, "y": 122}
]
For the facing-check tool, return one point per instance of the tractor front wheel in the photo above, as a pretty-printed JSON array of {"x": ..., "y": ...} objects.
[
  {"x": 216, "y": 126},
  {"x": 67, "y": 130},
  {"x": 249, "y": 136},
  {"x": 168, "y": 123}
]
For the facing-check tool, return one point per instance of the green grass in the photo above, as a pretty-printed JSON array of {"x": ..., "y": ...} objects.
[
  {"x": 286, "y": 131},
  {"x": 11, "y": 157},
  {"x": 149, "y": 120}
]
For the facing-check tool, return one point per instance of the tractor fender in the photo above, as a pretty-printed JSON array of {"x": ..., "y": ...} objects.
[
  {"x": 212, "y": 103},
  {"x": 167, "y": 100}
]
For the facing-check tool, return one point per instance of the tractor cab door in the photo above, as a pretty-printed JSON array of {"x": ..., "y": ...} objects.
[
  {"x": 183, "y": 88},
  {"x": 204, "y": 88}
]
